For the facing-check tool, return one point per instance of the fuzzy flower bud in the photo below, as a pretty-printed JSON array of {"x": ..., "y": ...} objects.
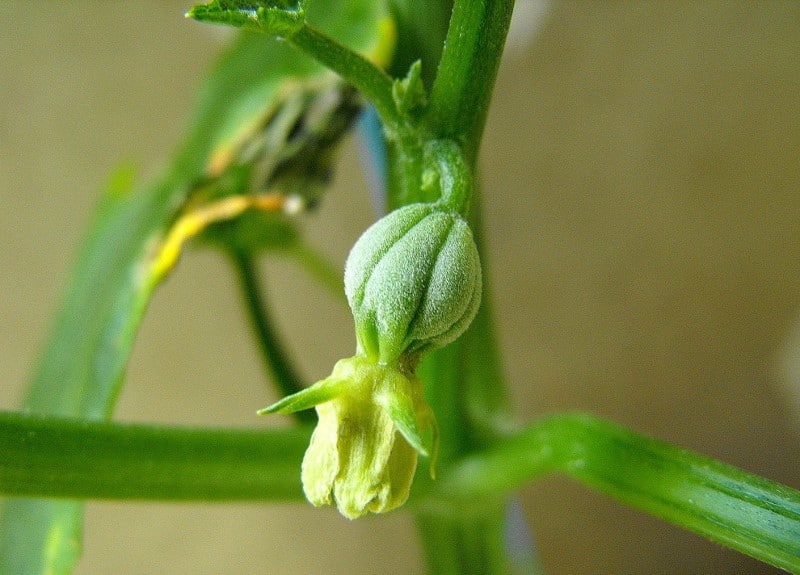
[{"x": 413, "y": 282}]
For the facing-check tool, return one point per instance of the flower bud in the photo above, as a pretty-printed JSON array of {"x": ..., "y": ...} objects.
[{"x": 413, "y": 282}]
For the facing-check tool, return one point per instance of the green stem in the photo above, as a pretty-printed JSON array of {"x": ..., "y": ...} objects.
[
  {"x": 373, "y": 82},
  {"x": 466, "y": 542},
  {"x": 486, "y": 397},
  {"x": 58, "y": 457},
  {"x": 455, "y": 176},
  {"x": 745, "y": 512},
  {"x": 328, "y": 274},
  {"x": 464, "y": 82},
  {"x": 405, "y": 166},
  {"x": 274, "y": 356},
  {"x": 421, "y": 30},
  {"x": 466, "y": 388}
]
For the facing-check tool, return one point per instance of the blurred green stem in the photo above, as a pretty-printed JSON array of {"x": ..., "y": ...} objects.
[
  {"x": 467, "y": 542},
  {"x": 318, "y": 267},
  {"x": 277, "y": 363}
]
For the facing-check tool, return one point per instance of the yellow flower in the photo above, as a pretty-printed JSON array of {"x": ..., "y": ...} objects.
[{"x": 373, "y": 422}]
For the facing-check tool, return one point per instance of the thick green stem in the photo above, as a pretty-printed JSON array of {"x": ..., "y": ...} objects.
[
  {"x": 465, "y": 79},
  {"x": 57, "y": 457},
  {"x": 466, "y": 387},
  {"x": 459, "y": 542},
  {"x": 466, "y": 542},
  {"x": 275, "y": 359}
]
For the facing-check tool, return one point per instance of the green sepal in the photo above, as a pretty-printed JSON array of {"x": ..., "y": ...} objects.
[
  {"x": 277, "y": 18},
  {"x": 414, "y": 419},
  {"x": 394, "y": 395},
  {"x": 320, "y": 392},
  {"x": 409, "y": 94}
]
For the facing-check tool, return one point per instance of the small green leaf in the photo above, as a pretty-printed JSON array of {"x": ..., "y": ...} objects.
[
  {"x": 409, "y": 93},
  {"x": 277, "y": 18},
  {"x": 121, "y": 181}
]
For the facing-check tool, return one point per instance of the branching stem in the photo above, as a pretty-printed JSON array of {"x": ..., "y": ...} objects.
[
  {"x": 745, "y": 512},
  {"x": 374, "y": 83}
]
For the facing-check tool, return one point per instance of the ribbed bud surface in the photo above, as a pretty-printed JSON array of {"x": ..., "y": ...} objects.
[{"x": 413, "y": 281}]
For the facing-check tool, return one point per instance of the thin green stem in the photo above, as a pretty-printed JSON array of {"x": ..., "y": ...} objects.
[
  {"x": 320, "y": 268},
  {"x": 59, "y": 457},
  {"x": 455, "y": 176},
  {"x": 374, "y": 83},
  {"x": 467, "y": 70},
  {"x": 274, "y": 356},
  {"x": 748, "y": 513}
]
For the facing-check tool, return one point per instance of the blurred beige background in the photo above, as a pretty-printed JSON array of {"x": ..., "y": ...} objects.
[{"x": 642, "y": 172}]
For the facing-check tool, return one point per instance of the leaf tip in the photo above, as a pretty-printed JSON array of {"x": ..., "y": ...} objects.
[{"x": 270, "y": 409}]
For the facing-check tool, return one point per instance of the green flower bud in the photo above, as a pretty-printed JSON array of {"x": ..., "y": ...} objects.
[
  {"x": 413, "y": 281},
  {"x": 373, "y": 421}
]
